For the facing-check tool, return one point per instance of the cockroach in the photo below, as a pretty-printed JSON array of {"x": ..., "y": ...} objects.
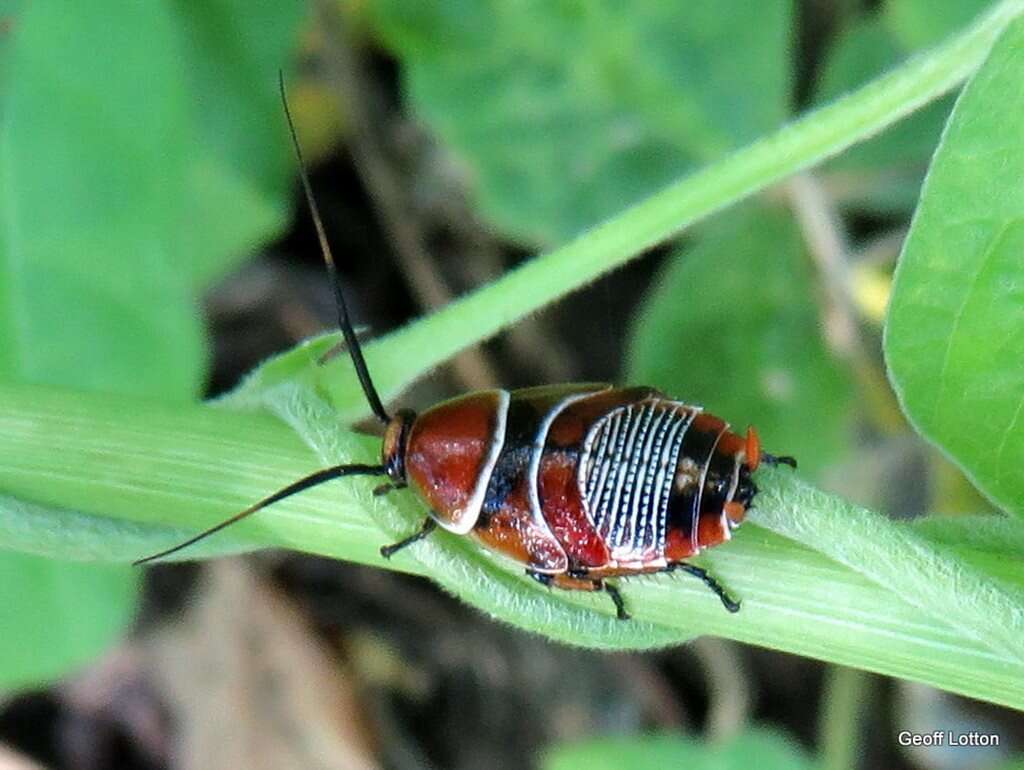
[{"x": 577, "y": 482}]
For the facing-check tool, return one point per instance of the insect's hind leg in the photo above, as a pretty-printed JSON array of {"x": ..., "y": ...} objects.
[
  {"x": 429, "y": 525},
  {"x": 579, "y": 582},
  {"x": 613, "y": 592},
  {"x": 702, "y": 574}
]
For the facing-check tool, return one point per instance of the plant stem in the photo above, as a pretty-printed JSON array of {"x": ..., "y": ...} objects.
[{"x": 839, "y": 731}]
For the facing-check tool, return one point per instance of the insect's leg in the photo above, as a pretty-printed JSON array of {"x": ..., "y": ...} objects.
[
  {"x": 577, "y": 580},
  {"x": 387, "y": 551},
  {"x": 389, "y": 486},
  {"x": 612, "y": 591},
  {"x": 540, "y": 577},
  {"x": 768, "y": 459},
  {"x": 702, "y": 574}
]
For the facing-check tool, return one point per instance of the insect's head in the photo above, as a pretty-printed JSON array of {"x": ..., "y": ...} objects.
[
  {"x": 728, "y": 487},
  {"x": 728, "y": 483},
  {"x": 396, "y": 439},
  {"x": 745, "y": 488}
]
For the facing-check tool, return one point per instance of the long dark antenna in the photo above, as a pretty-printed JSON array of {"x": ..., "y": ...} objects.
[
  {"x": 355, "y": 351},
  {"x": 294, "y": 488}
]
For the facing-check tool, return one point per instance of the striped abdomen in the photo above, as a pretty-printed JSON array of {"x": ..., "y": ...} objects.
[{"x": 626, "y": 471}]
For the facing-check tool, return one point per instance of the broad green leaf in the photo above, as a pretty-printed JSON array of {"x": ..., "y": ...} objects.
[
  {"x": 954, "y": 337},
  {"x": 92, "y": 184},
  {"x": 9, "y": 11},
  {"x": 732, "y": 325},
  {"x": 763, "y": 749},
  {"x": 57, "y": 615},
  {"x": 566, "y": 112},
  {"x": 240, "y": 162},
  {"x": 91, "y": 174}
]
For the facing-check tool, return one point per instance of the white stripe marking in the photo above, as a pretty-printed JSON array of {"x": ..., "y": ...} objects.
[
  {"x": 464, "y": 521},
  {"x": 624, "y": 470},
  {"x": 695, "y": 516},
  {"x": 601, "y": 474},
  {"x": 537, "y": 451},
  {"x": 646, "y": 471},
  {"x": 667, "y": 468}
]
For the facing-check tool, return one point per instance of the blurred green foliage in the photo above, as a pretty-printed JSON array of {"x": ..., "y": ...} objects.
[
  {"x": 566, "y": 112},
  {"x": 239, "y": 166},
  {"x": 733, "y": 323},
  {"x": 56, "y": 615},
  {"x": 919, "y": 23},
  {"x": 140, "y": 160},
  {"x": 763, "y": 749},
  {"x": 884, "y": 174}
]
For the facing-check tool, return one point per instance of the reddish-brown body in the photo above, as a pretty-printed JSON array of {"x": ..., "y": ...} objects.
[{"x": 579, "y": 482}]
